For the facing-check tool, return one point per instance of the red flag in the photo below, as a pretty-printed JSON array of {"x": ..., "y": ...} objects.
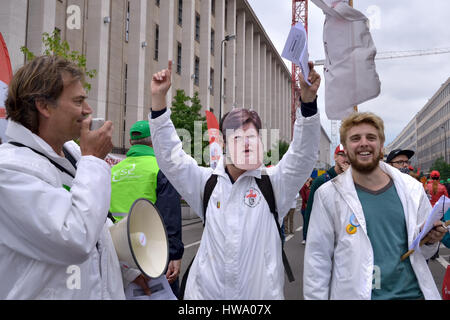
[
  {"x": 5, "y": 75},
  {"x": 215, "y": 149}
]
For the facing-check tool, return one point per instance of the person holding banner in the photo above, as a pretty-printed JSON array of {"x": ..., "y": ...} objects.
[
  {"x": 240, "y": 254},
  {"x": 54, "y": 232},
  {"x": 363, "y": 221}
]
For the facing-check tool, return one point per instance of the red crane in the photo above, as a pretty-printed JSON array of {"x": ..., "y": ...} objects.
[{"x": 299, "y": 13}]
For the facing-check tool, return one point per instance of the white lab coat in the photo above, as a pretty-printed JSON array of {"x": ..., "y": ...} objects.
[
  {"x": 240, "y": 251},
  {"x": 349, "y": 71},
  {"x": 339, "y": 265},
  {"x": 54, "y": 244}
]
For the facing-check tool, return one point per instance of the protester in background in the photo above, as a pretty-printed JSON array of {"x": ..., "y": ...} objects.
[
  {"x": 138, "y": 176},
  {"x": 289, "y": 219},
  {"x": 341, "y": 164},
  {"x": 363, "y": 221},
  {"x": 54, "y": 231},
  {"x": 304, "y": 194},
  {"x": 436, "y": 189},
  {"x": 400, "y": 159},
  {"x": 240, "y": 254}
]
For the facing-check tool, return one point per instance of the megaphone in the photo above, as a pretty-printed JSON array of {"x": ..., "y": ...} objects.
[{"x": 140, "y": 239}]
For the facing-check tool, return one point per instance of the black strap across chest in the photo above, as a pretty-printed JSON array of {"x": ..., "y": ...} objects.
[{"x": 57, "y": 165}]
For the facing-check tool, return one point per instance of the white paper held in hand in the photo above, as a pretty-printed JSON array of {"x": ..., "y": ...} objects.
[
  {"x": 296, "y": 49},
  {"x": 436, "y": 214}
]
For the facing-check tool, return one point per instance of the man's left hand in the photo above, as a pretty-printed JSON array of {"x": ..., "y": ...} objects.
[
  {"x": 436, "y": 234},
  {"x": 173, "y": 270}
]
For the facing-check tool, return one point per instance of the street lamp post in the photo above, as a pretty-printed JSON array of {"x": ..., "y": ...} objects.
[
  {"x": 229, "y": 37},
  {"x": 445, "y": 143}
]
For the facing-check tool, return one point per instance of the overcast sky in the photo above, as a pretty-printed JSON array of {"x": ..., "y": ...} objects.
[{"x": 398, "y": 25}]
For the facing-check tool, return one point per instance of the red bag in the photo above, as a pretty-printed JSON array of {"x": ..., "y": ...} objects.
[{"x": 446, "y": 285}]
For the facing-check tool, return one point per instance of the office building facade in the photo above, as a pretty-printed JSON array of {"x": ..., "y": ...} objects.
[
  {"x": 428, "y": 133},
  {"x": 126, "y": 41}
]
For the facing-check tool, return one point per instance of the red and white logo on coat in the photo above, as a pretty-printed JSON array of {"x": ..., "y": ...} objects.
[{"x": 252, "y": 197}]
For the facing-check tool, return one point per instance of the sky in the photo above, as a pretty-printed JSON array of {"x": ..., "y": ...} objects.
[{"x": 396, "y": 25}]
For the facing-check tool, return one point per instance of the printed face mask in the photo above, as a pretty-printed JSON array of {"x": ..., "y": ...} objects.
[{"x": 245, "y": 148}]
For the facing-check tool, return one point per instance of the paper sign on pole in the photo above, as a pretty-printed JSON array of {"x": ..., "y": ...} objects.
[{"x": 296, "y": 49}]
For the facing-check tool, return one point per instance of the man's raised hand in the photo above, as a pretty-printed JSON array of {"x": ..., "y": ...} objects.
[
  {"x": 161, "y": 82},
  {"x": 308, "y": 93}
]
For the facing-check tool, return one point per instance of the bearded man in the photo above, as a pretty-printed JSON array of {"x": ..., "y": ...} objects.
[{"x": 363, "y": 221}]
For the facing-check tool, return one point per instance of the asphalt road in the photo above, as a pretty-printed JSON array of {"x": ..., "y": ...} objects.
[{"x": 192, "y": 231}]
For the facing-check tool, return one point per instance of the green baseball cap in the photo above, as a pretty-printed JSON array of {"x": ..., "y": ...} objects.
[{"x": 140, "y": 130}]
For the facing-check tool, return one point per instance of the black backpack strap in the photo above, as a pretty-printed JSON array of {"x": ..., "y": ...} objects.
[
  {"x": 266, "y": 188},
  {"x": 209, "y": 188},
  {"x": 70, "y": 157}
]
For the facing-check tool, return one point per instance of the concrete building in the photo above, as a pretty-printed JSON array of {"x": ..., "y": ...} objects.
[
  {"x": 428, "y": 133},
  {"x": 126, "y": 41}
]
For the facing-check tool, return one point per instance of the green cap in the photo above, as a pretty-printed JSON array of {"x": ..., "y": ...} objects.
[{"x": 140, "y": 130}]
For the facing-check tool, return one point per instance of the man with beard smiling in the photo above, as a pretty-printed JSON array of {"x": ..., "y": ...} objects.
[{"x": 363, "y": 221}]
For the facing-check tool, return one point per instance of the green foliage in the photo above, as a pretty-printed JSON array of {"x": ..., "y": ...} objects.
[
  {"x": 54, "y": 46},
  {"x": 185, "y": 116},
  {"x": 282, "y": 147},
  {"x": 443, "y": 168}
]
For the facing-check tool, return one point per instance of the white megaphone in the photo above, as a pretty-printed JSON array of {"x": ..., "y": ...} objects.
[{"x": 140, "y": 239}]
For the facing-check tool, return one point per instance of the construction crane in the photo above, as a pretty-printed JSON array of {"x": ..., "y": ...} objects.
[{"x": 400, "y": 54}]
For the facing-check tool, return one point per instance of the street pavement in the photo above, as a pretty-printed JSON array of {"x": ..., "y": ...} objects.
[{"x": 193, "y": 228}]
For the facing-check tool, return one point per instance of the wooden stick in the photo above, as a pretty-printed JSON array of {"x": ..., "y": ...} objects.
[{"x": 410, "y": 252}]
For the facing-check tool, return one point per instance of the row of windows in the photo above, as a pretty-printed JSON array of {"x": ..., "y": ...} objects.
[
  {"x": 441, "y": 114},
  {"x": 438, "y": 132},
  {"x": 408, "y": 132},
  {"x": 436, "y": 149},
  {"x": 444, "y": 93}
]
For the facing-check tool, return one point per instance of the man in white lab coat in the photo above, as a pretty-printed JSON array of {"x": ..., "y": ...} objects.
[
  {"x": 363, "y": 221},
  {"x": 54, "y": 236},
  {"x": 240, "y": 251}
]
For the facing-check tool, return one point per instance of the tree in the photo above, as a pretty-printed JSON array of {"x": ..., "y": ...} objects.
[
  {"x": 54, "y": 46},
  {"x": 443, "y": 168},
  {"x": 270, "y": 157},
  {"x": 190, "y": 125}
]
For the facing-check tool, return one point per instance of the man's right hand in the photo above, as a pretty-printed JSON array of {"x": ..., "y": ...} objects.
[
  {"x": 161, "y": 82},
  {"x": 96, "y": 143}
]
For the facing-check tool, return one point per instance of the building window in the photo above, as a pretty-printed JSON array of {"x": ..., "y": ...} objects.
[
  {"x": 197, "y": 27},
  {"x": 180, "y": 12},
  {"x": 197, "y": 71},
  {"x": 156, "y": 43},
  {"x": 224, "y": 92},
  {"x": 213, "y": 35},
  {"x": 211, "y": 81},
  {"x": 127, "y": 23},
  {"x": 226, "y": 14},
  {"x": 213, "y": 7},
  {"x": 157, "y": 2},
  {"x": 178, "y": 58},
  {"x": 224, "y": 53}
]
